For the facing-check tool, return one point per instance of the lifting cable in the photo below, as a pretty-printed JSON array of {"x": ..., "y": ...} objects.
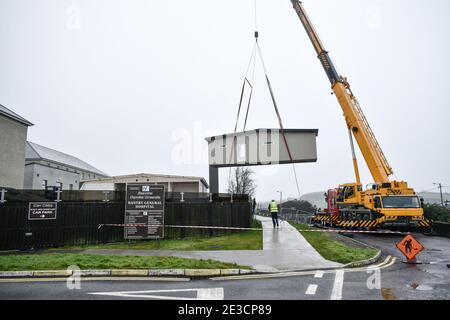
[{"x": 253, "y": 58}]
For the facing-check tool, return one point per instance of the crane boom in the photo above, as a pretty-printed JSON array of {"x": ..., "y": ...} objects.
[{"x": 354, "y": 116}]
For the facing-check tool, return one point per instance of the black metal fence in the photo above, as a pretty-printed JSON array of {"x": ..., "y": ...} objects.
[
  {"x": 14, "y": 195},
  {"x": 291, "y": 215},
  {"x": 78, "y": 220},
  {"x": 442, "y": 229}
]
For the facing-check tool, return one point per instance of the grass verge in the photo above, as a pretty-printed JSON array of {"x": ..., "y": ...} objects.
[
  {"x": 334, "y": 250},
  {"x": 247, "y": 240},
  {"x": 88, "y": 261}
]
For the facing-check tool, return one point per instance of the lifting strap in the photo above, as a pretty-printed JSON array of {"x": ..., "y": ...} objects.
[{"x": 253, "y": 59}]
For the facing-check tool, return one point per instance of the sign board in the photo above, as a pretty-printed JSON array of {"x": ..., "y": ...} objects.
[
  {"x": 144, "y": 211},
  {"x": 410, "y": 247},
  {"x": 42, "y": 211}
]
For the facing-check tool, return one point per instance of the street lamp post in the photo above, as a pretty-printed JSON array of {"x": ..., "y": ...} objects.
[{"x": 281, "y": 197}]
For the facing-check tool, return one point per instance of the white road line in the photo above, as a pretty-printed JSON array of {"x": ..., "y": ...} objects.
[
  {"x": 312, "y": 288},
  {"x": 202, "y": 294},
  {"x": 336, "y": 294},
  {"x": 319, "y": 274},
  {"x": 210, "y": 294}
]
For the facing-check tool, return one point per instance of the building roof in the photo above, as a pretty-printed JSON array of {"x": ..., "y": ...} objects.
[
  {"x": 37, "y": 152},
  {"x": 121, "y": 179},
  {"x": 14, "y": 116}
]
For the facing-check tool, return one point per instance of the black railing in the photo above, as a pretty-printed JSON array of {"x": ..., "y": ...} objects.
[{"x": 14, "y": 195}]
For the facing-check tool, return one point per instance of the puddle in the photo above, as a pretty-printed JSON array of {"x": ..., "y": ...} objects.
[
  {"x": 424, "y": 287},
  {"x": 421, "y": 287}
]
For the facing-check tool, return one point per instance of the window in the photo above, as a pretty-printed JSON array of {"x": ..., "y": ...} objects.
[
  {"x": 59, "y": 185},
  {"x": 401, "y": 202},
  {"x": 377, "y": 202},
  {"x": 348, "y": 192},
  {"x": 44, "y": 184},
  {"x": 70, "y": 187}
]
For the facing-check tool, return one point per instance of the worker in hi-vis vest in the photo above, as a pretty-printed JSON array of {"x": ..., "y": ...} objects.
[{"x": 274, "y": 208}]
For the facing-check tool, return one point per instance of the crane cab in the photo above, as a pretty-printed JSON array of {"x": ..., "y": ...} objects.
[{"x": 349, "y": 194}]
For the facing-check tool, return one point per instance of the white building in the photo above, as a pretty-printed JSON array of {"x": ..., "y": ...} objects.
[
  {"x": 13, "y": 136},
  {"x": 45, "y": 167},
  {"x": 172, "y": 183}
]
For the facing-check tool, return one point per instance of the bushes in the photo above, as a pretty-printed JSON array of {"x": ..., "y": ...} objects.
[{"x": 437, "y": 213}]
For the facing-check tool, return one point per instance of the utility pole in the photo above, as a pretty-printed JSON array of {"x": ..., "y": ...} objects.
[
  {"x": 281, "y": 196},
  {"x": 440, "y": 190}
]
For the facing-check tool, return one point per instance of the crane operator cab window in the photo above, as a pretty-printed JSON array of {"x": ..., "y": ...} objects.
[
  {"x": 349, "y": 192},
  {"x": 377, "y": 203}
]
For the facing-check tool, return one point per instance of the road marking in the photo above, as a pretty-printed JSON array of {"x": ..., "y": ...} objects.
[
  {"x": 202, "y": 294},
  {"x": 390, "y": 264},
  {"x": 319, "y": 274},
  {"x": 382, "y": 265},
  {"x": 336, "y": 294},
  {"x": 210, "y": 294},
  {"x": 312, "y": 288}
]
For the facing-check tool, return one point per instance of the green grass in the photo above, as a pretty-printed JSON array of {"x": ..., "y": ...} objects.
[
  {"x": 334, "y": 250},
  {"x": 87, "y": 261},
  {"x": 247, "y": 240}
]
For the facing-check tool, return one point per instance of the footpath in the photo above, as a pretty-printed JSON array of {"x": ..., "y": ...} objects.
[{"x": 284, "y": 249}]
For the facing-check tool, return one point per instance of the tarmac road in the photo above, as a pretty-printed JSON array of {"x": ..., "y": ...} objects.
[
  {"x": 432, "y": 276},
  {"x": 396, "y": 281},
  {"x": 311, "y": 286}
]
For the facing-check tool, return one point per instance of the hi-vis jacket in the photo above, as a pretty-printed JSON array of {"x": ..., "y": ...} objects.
[{"x": 273, "y": 207}]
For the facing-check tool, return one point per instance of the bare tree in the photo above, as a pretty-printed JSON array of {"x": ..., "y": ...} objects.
[{"x": 241, "y": 181}]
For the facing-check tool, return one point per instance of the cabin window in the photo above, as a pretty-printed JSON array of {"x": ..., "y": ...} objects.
[{"x": 377, "y": 202}]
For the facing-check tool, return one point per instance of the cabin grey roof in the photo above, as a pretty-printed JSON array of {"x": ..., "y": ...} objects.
[
  {"x": 37, "y": 152},
  {"x": 257, "y": 131},
  {"x": 14, "y": 116}
]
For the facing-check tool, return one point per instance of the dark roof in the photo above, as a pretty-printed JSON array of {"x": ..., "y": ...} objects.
[
  {"x": 37, "y": 152},
  {"x": 14, "y": 116}
]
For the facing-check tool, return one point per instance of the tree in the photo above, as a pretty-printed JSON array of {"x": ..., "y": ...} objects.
[
  {"x": 241, "y": 181},
  {"x": 437, "y": 213}
]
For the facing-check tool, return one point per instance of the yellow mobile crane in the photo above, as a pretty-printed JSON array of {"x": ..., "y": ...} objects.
[{"x": 384, "y": 203}]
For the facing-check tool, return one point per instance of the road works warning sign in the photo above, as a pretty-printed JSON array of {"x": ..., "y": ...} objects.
[
  {"x": 410, "y": 247},
  {"x": 144, "y": 211}
]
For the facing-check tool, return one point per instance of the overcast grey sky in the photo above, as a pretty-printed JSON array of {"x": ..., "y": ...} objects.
[{"x": 122, "y": 84}]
